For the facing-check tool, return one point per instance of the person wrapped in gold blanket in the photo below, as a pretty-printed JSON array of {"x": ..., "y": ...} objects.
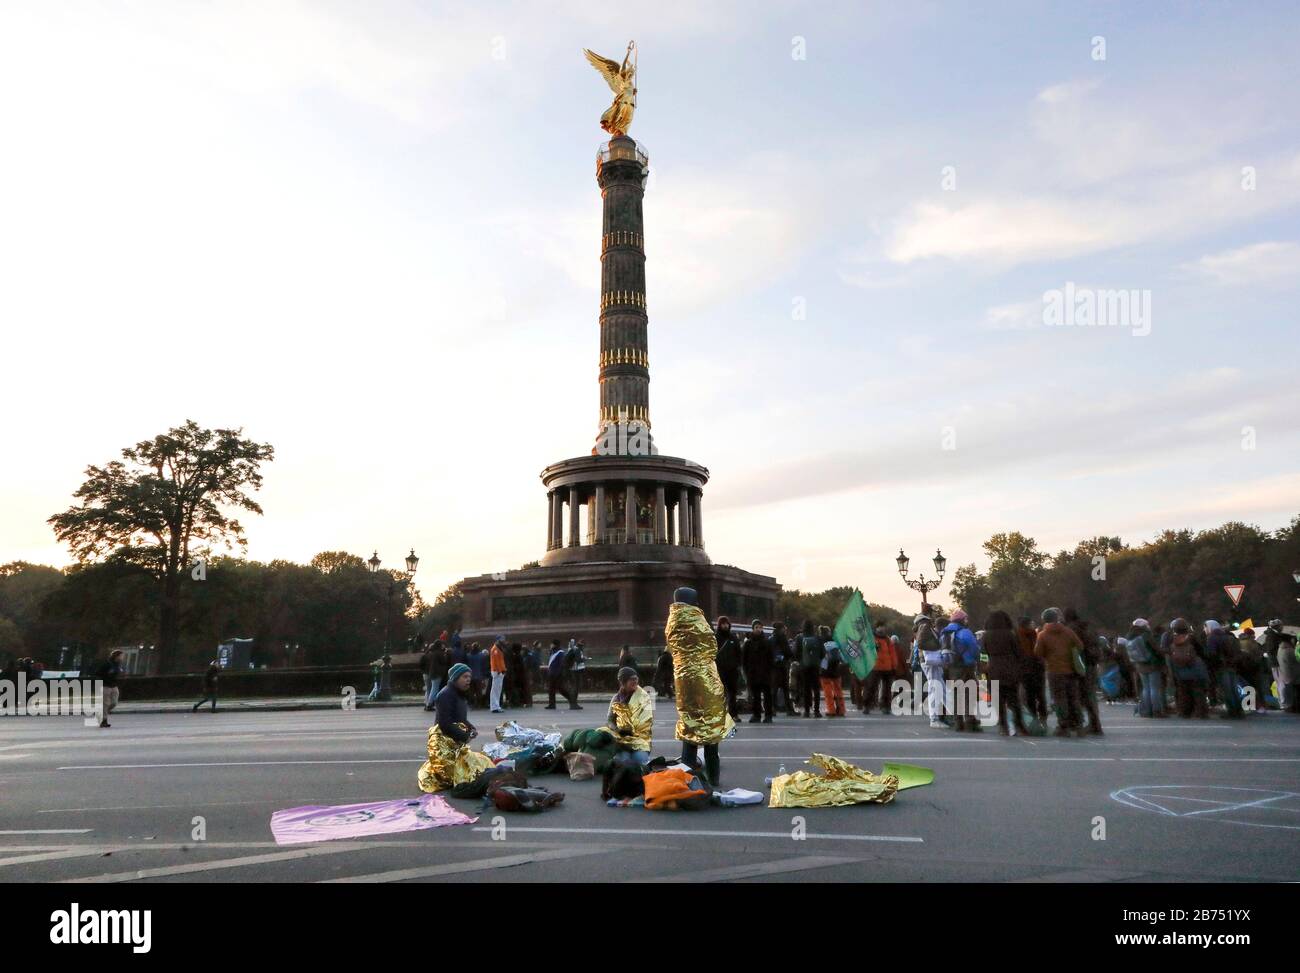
[
  {"x": 451, "y": 761},
  {"x": 702, "y": 717}
]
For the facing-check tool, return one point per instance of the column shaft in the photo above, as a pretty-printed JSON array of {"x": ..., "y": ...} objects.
[
  {"x": 629, "y": 521},
  {"x": 661, "y": 511},
  {"x": 600, "y": 513},
  {"x": 684, "y": 517},
  {"x": 574, "y": 518}
]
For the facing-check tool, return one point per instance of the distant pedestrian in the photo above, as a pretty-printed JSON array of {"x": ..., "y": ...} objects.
[
  {"x": 1279, "y": 648},
  {"x": 1002, "y": 645},
  {"x": 756, "y": 656},
  {"x": 876, "y": 687},
  {"x": 1033, "y": 676},
  {"x": 209, "y": 687},
  {"x": 811, "y": 651},
  {"x": 831, "y": 673},
  {"x": 780, "y": 675},
  {"x": 478, "y": 667},
  {"x": 1150, "y": 665},
  {"x": 664, "y": 674},
  {"x": 1088, "y": 680},
  {"x": 557, "y": 675},
  {"x": 1191, "y": 674},
  {"x": 962, "y": 652},
  {"x": 729, "y": 663},
  {"x": 1221, "y": 650},
  {"x": 1058, "y": 647},
  {"x": 437, "y": 666},
  {"x": 497, "y": 662},
  {"x": 108, "y": 674}
]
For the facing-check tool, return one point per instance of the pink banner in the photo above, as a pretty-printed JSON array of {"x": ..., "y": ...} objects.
[{"x": 300, "y": 824}]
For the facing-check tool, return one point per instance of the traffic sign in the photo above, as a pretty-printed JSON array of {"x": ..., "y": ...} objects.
[{"x": 1235, "y": 591}]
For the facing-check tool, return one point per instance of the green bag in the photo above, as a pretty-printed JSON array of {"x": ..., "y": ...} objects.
[{"x": 1077, "y": 657}]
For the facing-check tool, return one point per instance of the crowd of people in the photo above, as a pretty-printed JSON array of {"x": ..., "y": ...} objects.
[
  {"x": 1058, "y": 664},
  {"x": 506, "y": 674}
]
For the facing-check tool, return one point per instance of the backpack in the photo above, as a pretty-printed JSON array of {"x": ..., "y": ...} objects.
[
  {"x": 1183, "y": 653},
  {"x": 1138, "y": 651},
  {"x": 947, "y": 645}
]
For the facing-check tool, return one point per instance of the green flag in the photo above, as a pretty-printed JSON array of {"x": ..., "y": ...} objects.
[{"x": 856, "y": 636}]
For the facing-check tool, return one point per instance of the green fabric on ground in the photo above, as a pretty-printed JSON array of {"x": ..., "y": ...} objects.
[{"x": 909, "y": 775}]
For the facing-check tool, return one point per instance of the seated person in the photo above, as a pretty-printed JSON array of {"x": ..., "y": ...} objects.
[
  {"x": 631, "y": 716},
  {"x": 451, "y": 762}
]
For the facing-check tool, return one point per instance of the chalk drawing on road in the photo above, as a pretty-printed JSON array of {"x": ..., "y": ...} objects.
[{"x": 1255, "y": 807}]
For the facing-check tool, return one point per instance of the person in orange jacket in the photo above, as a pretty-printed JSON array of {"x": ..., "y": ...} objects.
[
  {"x": 497, "y": 660},
  {"x": 881, "y": 676}
]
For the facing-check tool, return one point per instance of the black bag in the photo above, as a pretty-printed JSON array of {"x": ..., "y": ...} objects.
[{"x": 621, "y": 781}]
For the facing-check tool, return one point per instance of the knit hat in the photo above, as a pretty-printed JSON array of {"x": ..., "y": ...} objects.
[
  {"x": 686, "y": 596},
  {"x": 456, "y": 671},
  {"x": 959, "y": 616},
  {"x": 626, "y": 673}
]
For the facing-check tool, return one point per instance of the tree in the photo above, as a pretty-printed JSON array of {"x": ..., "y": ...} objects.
[
  {"x": 163, "y": 500},
  {"x": 327, "y": 562}
]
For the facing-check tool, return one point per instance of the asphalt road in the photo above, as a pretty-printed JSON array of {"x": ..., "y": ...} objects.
[{"x": 1181, "y": 801}]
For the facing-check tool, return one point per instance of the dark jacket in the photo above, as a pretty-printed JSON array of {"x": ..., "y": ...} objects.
[
  {"x": 780, "y": 649},
  {"x": 109, "y": 671},
  {"x": 478, "y": 665},
  {"x": 728, "y": 651},
  {"x": 811, "y": 650},
  {"x": 438, "y": 663},
  {"x": 1002, "y": 646},
  {"x": 451, "y": 714},
  {"x": 756, "y": 655}
]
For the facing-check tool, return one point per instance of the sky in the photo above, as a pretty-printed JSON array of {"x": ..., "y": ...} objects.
[{"x": 368, "y": 234}]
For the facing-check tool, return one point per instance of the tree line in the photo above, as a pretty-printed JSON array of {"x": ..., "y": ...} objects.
[{"x": 1179, "y": 573}]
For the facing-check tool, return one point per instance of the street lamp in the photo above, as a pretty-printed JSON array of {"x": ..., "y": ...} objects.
[
  {"x": 920, "y": 584},
  {"x": 412, "y": 562}
]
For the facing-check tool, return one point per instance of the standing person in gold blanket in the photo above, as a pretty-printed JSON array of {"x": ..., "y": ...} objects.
[
  {"x": 451, "y": 761},
  {"x": 702, "y": 717}
]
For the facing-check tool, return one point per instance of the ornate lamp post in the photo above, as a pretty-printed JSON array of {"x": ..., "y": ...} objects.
[
  {"x": 920, "y": 584},
  {"x": 412, "y": 562}
]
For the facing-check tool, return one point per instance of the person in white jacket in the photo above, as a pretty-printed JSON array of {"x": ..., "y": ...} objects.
[{"x": 932, "y": 666}]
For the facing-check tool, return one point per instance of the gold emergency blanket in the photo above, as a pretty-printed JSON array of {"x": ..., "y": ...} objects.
[
  {"x": 842, "y": 783},
  {"x": 450, "y": 763},
  {"x": 637, "y": 715},
  {"x": 702, "y": 715}
]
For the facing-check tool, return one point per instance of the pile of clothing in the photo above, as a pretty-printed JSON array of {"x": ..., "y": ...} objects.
[
  {"x": 526, "y": 750},
  {"x": 507, "y": 789},
  {"x": 600, "y": 742}
]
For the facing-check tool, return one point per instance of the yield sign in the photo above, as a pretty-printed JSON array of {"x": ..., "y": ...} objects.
[{"x": 1235, "y": 591}]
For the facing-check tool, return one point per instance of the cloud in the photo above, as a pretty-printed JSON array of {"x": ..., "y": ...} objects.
[
  {"x": 1259, "y": 263},
  {"x": 1068, "y": 437},
  {"x": 1024, "y": 316}
]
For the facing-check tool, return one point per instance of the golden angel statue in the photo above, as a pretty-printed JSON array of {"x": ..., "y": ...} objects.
[{"x": 622, "y": 81}]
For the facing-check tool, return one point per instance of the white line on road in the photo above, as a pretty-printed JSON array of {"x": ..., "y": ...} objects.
[
  {"x": 710, "y": 834},
  {"x": 218, "y": 865},
  {"x": 47, "y": 856},
  {"x": 243, "y": 763},
  {"x": 734, "y": 872},
  {"x": 456, "y": 868},
  {"x": 51, "y": 831}
]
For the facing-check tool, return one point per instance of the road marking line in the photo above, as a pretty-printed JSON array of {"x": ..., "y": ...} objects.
[
  {"x": 734, "y": 872},
  {"x": 681, "y": 833},
  {"x": 1242, "y": 807},
  {"x": 456, "y": 868},
  {"x": 242, "y": 763},
  {"x": 218, "y": 865},
  {"x": 52, "y": 831},
  {"x": 55, "y": 855}
]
